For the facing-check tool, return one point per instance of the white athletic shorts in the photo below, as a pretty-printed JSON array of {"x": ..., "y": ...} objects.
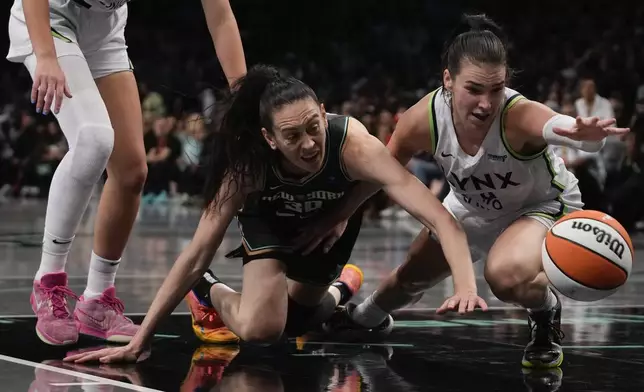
[
  {"x": 483, "y": 232},
  {"x": 99, "y": 37}
]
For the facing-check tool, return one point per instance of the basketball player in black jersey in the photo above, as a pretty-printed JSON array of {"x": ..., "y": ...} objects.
[{"x": 278, "y": 162}]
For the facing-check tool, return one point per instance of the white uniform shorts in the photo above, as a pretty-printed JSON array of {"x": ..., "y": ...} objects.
[
  {"x": 98, "y": 37},
  {"x": 483, "y": 232}
]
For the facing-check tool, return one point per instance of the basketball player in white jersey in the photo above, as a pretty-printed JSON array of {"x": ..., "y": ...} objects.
[
  {"x": 77, "y": 49},
  {"x": 507, "y": 189}
]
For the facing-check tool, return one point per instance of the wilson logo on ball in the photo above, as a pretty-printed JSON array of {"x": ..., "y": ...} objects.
[{"x": 601, "y": 236}]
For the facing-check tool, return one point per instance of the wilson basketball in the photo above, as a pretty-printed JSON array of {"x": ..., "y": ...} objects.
[{"x": 587, "y": 255}]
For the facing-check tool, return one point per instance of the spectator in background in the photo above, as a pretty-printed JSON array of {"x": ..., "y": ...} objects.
[
  {"x": 162, "y": 148},
  {"x": 151, "y": 101},
  {"x": 625, "y": 186},
  {"x": 590, "y": 103},
  {"x": 191, "y": 176}
]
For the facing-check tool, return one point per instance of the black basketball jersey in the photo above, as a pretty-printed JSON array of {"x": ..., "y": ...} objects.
[{"x": 291, "y": 202}]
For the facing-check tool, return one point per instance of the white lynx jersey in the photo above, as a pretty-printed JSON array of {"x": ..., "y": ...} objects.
[{"x": 497, "y": 180}]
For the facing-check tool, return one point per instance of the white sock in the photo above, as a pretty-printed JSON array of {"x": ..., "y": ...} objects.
[
  {"x": 102, "y": 273},
  {"x": 54, "y": 254},
  {"x": 369, "y": 314},
  {"x": 336, "y": 294},
  {"x": 548, "y": 303}
]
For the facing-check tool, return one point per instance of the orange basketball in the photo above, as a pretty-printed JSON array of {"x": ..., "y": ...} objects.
[{"x": 587, "y": 255}]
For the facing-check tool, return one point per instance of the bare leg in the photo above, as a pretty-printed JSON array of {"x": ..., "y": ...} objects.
[
  {"x": 258, "y": 313},
  {"x": 126, "y": 169},
  {"x": 514, "y": 266},
  {"x": 515, "y": 275},
  {"x": 424, "y": 267}
]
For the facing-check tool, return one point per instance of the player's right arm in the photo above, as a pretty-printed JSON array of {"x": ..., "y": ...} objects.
[
  {"x": 49, "y": 79},
  {"x": 410, "y": 137},
  {"x": 189, "y": 267}
]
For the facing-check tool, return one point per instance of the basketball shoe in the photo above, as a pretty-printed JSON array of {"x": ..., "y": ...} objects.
[
  {"x": 206, "y": 323},
  {"x": 48, "y": 300},
  {"x": 102, "y": 317},
  {"x": 544, "y": 349}
]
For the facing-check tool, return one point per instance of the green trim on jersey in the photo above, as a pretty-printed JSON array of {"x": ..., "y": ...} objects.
[
  {"x": 563, "y": 210},
  {"x": 508, "y": 105},
  {"x": 343, "y": 168},
  {"x": 61, "y": 37},
  {"x": 433, "y": 125}
]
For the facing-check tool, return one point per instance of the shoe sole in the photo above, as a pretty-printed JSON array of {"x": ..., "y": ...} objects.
[
  {"x": 357, "y": 270},
  {"x": 101, "y": 335},
  {"x": 53, "y": 343},
  {"x": 542, "y": 365},
  {"x": 200, "y": 336}
]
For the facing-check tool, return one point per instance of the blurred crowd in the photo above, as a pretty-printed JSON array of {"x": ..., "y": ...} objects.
[{"x": 368, "y": 61}]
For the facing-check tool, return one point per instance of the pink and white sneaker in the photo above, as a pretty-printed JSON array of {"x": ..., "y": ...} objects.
[
  {"x": 102, "y": 317},
  {"x": 48, "y": 300}
]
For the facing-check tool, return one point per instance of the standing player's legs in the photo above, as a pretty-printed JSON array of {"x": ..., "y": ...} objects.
[
  {"x": 86, "y": 125},
  {"x": 126, "y": 169},
  {"x": 117, "y": 210},
  {"x": 514, "y": 271}
]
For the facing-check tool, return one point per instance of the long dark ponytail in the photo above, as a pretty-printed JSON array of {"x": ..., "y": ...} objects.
[{"x": 237, "y": 149}]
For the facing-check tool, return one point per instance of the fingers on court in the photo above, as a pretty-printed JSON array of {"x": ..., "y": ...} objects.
[
  {"x": 443, "y": 308},
  {"x": 87, "y": 356},
  {"x": 463, "y": 306},
  {"x": 471, "y": 305}
]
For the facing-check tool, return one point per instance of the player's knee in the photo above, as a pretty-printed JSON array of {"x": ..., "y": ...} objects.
[
  {"x": 507, "y": 276},
  {"x": 265, "y": 331},
  {"x": 134, "y": 177},
  {"x": 91, "y": 152}
]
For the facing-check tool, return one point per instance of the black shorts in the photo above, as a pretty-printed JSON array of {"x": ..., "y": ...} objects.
[{"x": 264, "y": 240}]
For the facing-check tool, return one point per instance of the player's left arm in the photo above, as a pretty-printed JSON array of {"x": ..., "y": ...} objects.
[
  {"x": 225, "y": 36},
  {"x": 367, "y": 159},
  {"x": 539, "y": 125}
]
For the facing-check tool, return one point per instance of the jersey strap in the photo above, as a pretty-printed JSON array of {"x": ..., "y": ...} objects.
[{"x": 433, "y": 126}]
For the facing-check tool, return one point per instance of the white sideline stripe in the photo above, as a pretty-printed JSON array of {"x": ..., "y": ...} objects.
[
  {"x": 76, "y": 374},
  {"x": 71, "y": 384}
]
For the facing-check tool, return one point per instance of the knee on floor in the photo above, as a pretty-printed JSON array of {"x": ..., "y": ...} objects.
[{"x": 264, "y": 331}]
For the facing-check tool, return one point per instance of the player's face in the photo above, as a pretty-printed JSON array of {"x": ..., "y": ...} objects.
[
  {"x": 299, "y": 133},
  {"x": 477, "y": 93}
]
